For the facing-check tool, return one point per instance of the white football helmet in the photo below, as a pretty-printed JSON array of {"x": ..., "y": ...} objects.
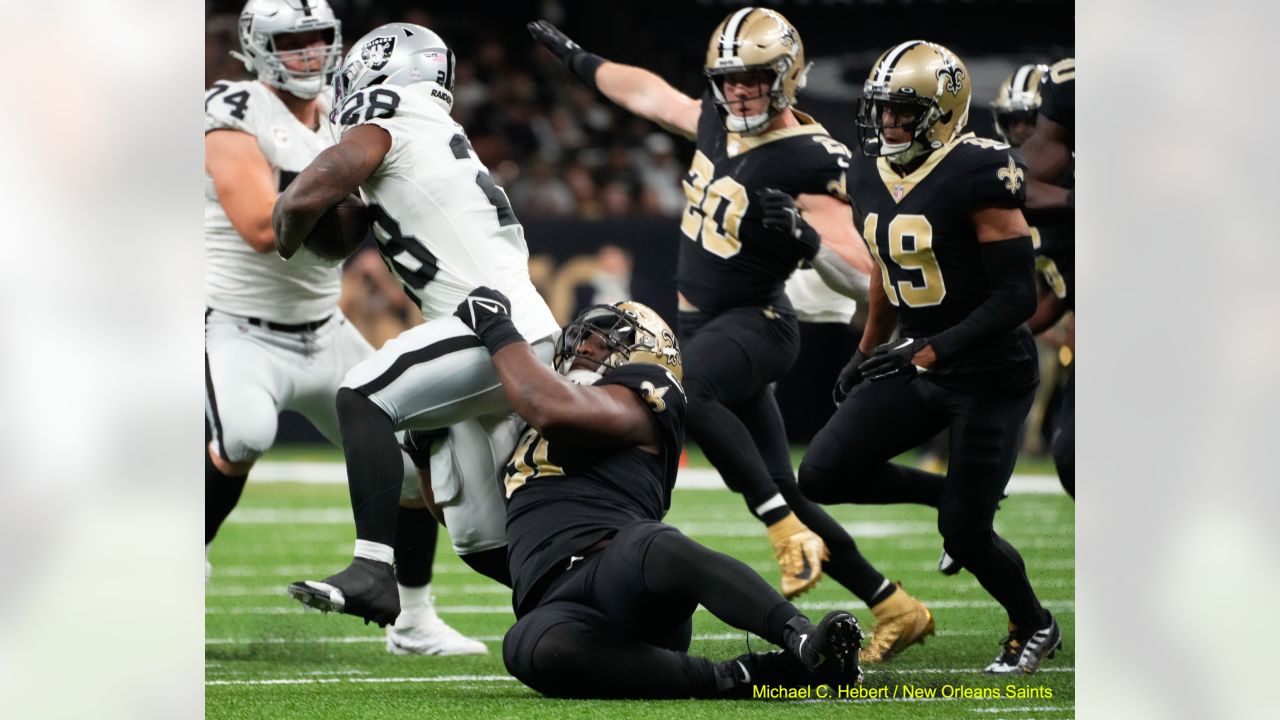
[
  {"x": 262, "y": 21},
  {"x": 399, "y": 54}
]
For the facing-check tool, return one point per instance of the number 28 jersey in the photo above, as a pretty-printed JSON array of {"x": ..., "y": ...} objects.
[
  {"x": 921, "y": 235},
  {"x": 727, "y": 257},
  {"x": 443, "y": 226}
]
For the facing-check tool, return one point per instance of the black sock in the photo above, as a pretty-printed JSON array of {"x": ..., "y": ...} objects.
[
  {"x": 775, "y": 514},
  {"x": 491, "y": 564},
  {"x": 415, "y": 548},
  {"x": 880, "y": 595},
  {"x": 221, "y": 493},
  {"x": 375, "y": 468}
]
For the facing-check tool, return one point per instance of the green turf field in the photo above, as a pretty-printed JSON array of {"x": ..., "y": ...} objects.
[{"x": 268, "y": 658}]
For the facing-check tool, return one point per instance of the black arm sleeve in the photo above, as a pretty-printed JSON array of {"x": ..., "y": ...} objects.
[{"x": 1010, "y": 268}]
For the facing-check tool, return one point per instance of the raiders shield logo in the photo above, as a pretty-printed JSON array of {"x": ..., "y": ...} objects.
[{"x": 377, "y": 51}]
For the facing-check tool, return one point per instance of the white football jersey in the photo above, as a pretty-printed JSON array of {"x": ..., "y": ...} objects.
[
  {"x": 442, "y": 224},
  {"x": 238, "y": 280},
  {"x": 814, "y": 302}
]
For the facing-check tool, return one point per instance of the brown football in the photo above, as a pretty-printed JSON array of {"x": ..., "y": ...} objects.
[{"x": 340, "y": 230}]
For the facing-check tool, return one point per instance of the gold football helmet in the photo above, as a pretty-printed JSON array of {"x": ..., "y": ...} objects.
[
  {"x": 632, "y": 332},
  {"x": 756, "y": 40},
  {"x": 926, "y": 87},
  {"x": 1018, "y": 99}
]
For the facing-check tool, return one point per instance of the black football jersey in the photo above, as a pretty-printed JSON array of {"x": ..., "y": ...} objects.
[
  {"x": 727, "y": 257},
  {"x": 1054, "y": 229},
  {"x": 563, "y": 498},
  {"x": 922, "y": 237}
]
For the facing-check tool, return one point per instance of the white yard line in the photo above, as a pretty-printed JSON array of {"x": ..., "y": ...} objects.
[
  {"x": 335, "y": 473},
  {"x": 1060, "y": 605}
]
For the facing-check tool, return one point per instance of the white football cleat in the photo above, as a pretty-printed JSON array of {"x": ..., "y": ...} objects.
[{"x": 420, "y": 631}]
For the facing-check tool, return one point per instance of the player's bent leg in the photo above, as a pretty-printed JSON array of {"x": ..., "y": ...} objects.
[{"x": 847, "y": 461}]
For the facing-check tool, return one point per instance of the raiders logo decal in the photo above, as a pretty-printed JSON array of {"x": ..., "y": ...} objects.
[{"x": 377, "y": 51}]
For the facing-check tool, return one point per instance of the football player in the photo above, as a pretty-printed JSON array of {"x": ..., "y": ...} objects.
[
  {"x": 941, "y": 213},
  {"x": 1050, "y": 156},
  {"x": 274, "y": 337},
  {"x": 743, "y": 237},
  {"x": 443, "y": 227},
  {"x": 604, "y": 591}
]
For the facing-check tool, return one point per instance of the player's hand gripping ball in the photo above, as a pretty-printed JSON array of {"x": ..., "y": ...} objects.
[{"x": 340, "y": 230}]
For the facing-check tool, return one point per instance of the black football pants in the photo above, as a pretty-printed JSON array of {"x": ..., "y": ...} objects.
[
  {"x": 731, "y": 361},
  {"x": 619, "y": 623},
  {"x": 848, "y": 461}
]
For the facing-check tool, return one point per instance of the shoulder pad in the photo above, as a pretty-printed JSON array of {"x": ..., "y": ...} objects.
[
  {"x": 993, "y": 172},
  {"x": 371, "y": 103},
  {"x": 229, "y": 105}
]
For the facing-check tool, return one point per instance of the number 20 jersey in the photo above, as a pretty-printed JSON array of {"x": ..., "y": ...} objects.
[
  {"x": 443, "y": 226},
  {"x": 238, "y": 279},
  {"x": 727, "y": 257},
  {"x": 922, "y": 237}
]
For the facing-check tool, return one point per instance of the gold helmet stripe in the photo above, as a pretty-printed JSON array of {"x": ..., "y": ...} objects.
[
  {"x": 1019, "y": 84},
  {"x": 729, "y": 38},
  {"x": 891, "y": 59}
]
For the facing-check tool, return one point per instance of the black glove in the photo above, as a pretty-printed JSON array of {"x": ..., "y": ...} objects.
[
  {"x": 488, "y": 313},
  {"x": 579, "y": 61},
  {"x": 781, "y": 215},
  {"x": 893, "y": 359},
  {"x": 850, "y": 376}
]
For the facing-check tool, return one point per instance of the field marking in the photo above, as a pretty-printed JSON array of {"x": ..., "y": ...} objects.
[
  {"x": 1066, "y": 605},
  {"x": 310, "y": 472},
  {"x": 1037, "y": 708},
  {"x": 379, "y": 639}
]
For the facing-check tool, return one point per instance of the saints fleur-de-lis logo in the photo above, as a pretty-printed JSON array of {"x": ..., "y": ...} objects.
[
  {"x": 951, "y": 77},
  {"x": 1012, "y": 176},
  {"x": 653, "y": 395}
]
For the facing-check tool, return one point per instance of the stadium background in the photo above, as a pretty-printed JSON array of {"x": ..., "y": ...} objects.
[{"x": 582, "y": 173}]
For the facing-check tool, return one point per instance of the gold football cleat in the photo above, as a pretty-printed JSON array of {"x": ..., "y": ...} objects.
[
  {"x": 901, "y": 621},
  {"x": 800, "y": 553}
]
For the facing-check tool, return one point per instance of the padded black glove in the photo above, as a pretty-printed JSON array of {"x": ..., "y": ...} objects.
[
  {"x": 850, "y": 376},
  {"x": 579, "y": 61},
  {"x": 893, "y": 359},
  {"x": 781, "y": 215},
  {"x": 488, "y": 313}
]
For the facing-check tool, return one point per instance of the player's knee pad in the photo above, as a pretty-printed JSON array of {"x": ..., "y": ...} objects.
[{"x": 243, "y": 439}]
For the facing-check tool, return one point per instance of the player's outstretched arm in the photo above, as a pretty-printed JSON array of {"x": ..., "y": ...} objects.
[
  {"x": 561, "y": 411},
  {"x": 333, "y": 175},
  {"x": 636, "y": 89},
  {"x": 242, "y": 178},
  {"x": 1047, "y": 153}
]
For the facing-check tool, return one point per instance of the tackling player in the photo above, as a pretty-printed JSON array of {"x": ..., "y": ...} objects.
[
  {"x": 444, "y": 227},
  {"x": 941, "y": 213},
  {"x": 604, "y": 591},
  {"x": 743, "y": 237},
  {"x": 275, "y": 339}
]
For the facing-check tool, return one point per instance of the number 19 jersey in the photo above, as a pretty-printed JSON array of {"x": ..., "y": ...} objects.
[{"x": 443, "y": 226}]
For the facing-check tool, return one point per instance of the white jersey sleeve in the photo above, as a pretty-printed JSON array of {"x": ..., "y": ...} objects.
[
  {"x": 239, "y": 280},
  {"x": 442, "y": 223}
]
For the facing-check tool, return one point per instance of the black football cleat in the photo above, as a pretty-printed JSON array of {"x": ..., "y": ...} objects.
[
  {"x": 831, "y": 653},
  {"x": 366, "y": 589},
  {"x": 1023, "y": 652}
]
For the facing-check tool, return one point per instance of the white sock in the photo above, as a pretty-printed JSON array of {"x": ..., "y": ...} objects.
[
  {"x": 375, "y": 551},
  {"x": 413, "y": 598}
]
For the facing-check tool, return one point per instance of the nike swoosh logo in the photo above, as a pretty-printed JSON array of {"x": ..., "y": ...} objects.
[
  {"x": 800, "y": 647},
  {"x": 905, "y": 343},
  {"x": 746, "y": 676},
  {"x": 807, "y": 572},
  {"x": 842, "y": 162}
]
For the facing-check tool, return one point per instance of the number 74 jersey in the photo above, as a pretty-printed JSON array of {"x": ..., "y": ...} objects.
[
  {"x": 920, "y": 232},
  {"x": 443, "y": 226}
]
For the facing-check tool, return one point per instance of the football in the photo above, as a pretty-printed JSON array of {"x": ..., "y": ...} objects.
[{"x": 340, "y": 230}]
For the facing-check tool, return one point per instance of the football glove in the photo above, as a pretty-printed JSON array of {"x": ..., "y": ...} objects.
[
  {"x": 781, "y": 215},
  {"x": 850, "y": 376},
  {"x": 893, "y": 359},
  {"x": 579, "y": 61},
  {"x": 487, "y": 313}
]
